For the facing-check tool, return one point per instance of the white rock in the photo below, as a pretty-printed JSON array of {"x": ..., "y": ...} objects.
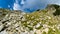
[
  {"x": 37, "y": 25},
  {"x": 1, "y": 26},
  {"x": 4, "y": 32}
]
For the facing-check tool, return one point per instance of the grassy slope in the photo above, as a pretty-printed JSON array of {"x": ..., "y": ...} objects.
[{"x": 45, "y": 18}]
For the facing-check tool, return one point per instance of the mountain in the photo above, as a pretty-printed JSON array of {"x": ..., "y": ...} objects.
[
  {"x": 54, "y": 6},
  {"x": 44, "y": 21}
]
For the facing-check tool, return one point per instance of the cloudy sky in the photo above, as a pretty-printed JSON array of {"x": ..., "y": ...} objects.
[{"x": 26, "y": 5}]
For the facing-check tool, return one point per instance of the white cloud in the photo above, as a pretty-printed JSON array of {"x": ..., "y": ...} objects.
[
  {"x": 29, "y": 4},
  {"x": 9, "y": 6},
  {"x": 22, "y": 2},
  {"x": 16, "y": 6},
  {"x": 54, "y": 2},
  {"x": 33, "y": 4}
]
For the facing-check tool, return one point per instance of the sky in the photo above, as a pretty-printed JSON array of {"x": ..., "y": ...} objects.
[{"x": 26, "y": 5}]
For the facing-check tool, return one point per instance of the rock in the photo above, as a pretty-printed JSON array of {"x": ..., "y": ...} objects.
[
  {"x": 19, "y": 22},
  {"x": 1, "y": 27}
]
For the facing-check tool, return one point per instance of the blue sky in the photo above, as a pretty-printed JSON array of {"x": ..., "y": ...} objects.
[
  {"x": 6, "y": 3},
  {"x": 27, "y": 5}
]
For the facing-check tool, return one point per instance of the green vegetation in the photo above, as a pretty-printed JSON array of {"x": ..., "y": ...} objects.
[{"x": 45, "y": 20}]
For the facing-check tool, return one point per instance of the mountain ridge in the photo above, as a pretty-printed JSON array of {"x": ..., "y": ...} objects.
[{"x": 38, "y": 22}]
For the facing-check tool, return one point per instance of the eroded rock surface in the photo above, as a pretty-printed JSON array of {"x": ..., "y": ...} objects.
[{"x": 38, "y": 22}]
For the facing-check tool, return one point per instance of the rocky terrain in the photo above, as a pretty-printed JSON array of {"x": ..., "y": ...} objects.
[{"x": 46, "y": 21}]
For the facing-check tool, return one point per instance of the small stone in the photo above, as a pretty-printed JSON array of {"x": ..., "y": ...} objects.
[{"x": 1, "y": 27}]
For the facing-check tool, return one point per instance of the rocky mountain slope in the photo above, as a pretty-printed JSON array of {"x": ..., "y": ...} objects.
[{"x": 46, "y": 21}]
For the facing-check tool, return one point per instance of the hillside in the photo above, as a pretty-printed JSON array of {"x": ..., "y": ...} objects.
[{"x": 46, "y": 21}]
